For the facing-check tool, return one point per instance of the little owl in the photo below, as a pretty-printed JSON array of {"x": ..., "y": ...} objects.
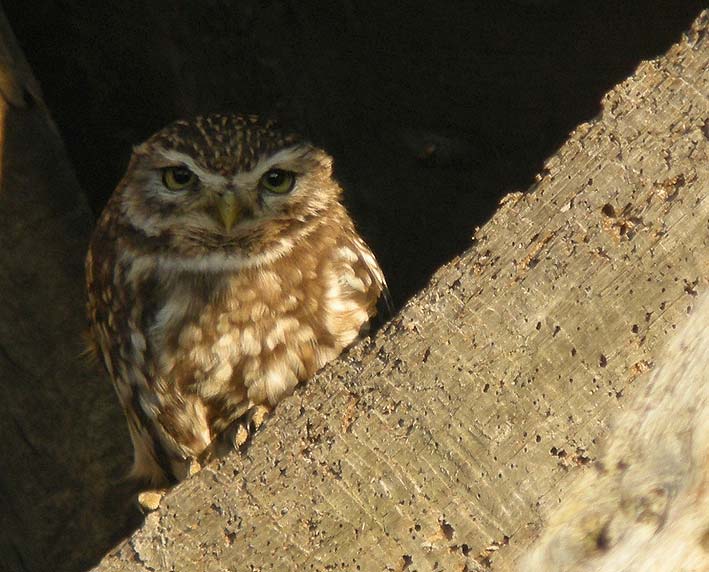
[{"x": 223, "y": 271}]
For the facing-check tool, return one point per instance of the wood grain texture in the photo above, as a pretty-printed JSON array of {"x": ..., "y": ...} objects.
[
  {"x": 646, "y": 504},
  {"x": 440, "y": 444}
]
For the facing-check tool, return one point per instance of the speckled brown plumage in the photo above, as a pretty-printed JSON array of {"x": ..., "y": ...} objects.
[
  {"x": 225, "y": 143},
  {"x": 198, "y": 321}
]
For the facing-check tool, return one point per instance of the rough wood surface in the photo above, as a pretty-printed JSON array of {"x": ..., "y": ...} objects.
[
  {"x": 63, "y": 440},
  {"x": 646, "y": 506},
  {"x": 441, "y": 443}
]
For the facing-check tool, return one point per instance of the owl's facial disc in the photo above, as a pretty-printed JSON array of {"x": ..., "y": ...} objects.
[{"x": 239, "y": 208}]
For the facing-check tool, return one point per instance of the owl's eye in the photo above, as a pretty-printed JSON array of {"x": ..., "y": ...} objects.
[
  {"x": 278, "y": 181},
  {"x": 178, "y": 178}
]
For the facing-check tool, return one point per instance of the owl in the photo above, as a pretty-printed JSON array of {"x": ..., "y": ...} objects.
[{"x": 223, "y": 271}]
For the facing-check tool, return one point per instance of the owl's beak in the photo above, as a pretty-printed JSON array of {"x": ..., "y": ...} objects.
[{"x": 229, "y": 210}]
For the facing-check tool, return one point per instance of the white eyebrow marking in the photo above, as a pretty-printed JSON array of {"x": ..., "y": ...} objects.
[
  {"x": 208, "y": 177},
  {"x": 244, "y": 179},
  {"x": 281, "y": 158}
]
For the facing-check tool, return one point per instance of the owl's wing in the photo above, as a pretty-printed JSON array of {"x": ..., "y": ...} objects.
[
  {"x": 114, "y": 311},
  {"x": 383, "y": 307}
]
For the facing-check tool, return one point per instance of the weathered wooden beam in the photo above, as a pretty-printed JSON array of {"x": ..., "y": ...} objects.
[
  {"x": 646, "y": 504},
  {"x": 440, "y": 444}
]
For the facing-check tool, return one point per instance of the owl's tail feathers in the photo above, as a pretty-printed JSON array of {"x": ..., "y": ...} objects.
[
  {"x": 147, "y": 470},
  {"x": 147, "y": 477},
  {"x": 147, "y": 474},
  {"x": 151, "y": 482}
]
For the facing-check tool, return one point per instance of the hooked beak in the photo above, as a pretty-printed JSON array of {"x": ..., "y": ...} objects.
[{"x": 229, "y": 210}]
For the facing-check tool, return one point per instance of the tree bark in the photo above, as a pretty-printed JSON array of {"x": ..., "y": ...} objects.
[{"x": 441, "y": 443}]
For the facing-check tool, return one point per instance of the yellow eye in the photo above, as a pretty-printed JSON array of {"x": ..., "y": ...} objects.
[
  {"x": 278, "y": 181},
  {"x": 178, "y": 178}
]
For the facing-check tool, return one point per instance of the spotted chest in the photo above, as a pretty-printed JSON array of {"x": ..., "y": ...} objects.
[{"x": 232, "y": 340}]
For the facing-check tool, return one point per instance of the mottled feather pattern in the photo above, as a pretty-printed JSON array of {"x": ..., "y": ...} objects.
[{"x": 198, "y": 323}]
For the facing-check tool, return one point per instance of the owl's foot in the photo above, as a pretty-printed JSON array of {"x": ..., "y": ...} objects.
[
  {"x": 194, "y": 468},
  {"x": 241, "y": 434},
  {"x": 253, "y": 419},
  {"x": 248, "y": 424},
  {"x": 256, "y": 416},
  {"x": 186, "y": 468},
  {"x": 148, "y": 501},
  {"x": 236, "y": 434}
]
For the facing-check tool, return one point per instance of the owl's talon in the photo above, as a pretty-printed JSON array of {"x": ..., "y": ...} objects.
[
  {"x": 256, "y": 416},
  {"x": 241, "y": 434},
  {"x": 149, "y": 501},
  {"x": 194, "y": 468},
  {"x": 248, "y": 424}
]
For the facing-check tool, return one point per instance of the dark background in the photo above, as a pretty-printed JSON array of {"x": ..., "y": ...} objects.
[{"x": 433, "y": 111}]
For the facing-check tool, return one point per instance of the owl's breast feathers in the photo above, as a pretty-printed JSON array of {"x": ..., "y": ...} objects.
[{"x": 189, "y": 351}]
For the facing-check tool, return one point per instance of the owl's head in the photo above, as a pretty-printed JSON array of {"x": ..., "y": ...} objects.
[{"x": 230, "y": 184}]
